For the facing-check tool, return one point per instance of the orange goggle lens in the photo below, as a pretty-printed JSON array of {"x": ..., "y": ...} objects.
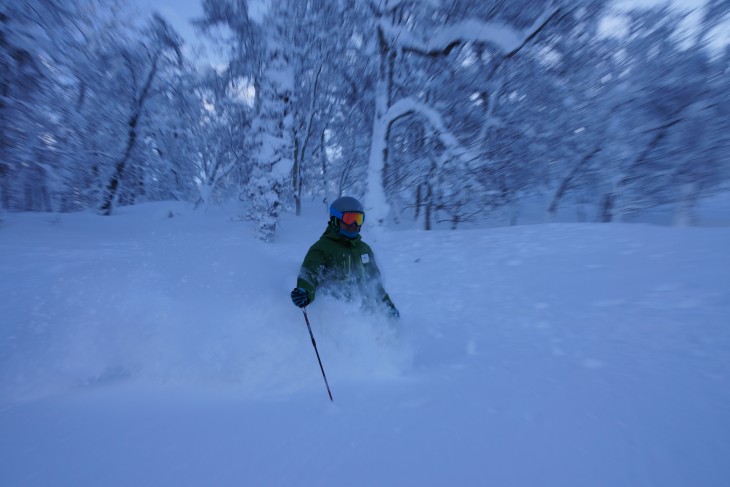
[{"x": 350, "y": 217}]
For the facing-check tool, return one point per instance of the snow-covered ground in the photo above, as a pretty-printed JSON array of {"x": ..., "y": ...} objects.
[{"x": 142, "y": 350}]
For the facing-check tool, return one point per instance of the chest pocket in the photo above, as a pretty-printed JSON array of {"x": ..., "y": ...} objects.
[{"x": 357, "y": 266}]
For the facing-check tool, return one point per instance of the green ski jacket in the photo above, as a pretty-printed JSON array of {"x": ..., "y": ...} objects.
[{"x": 344, "y": 267}]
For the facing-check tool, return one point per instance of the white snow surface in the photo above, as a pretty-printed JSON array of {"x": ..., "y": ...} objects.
[{"x": 145, "y": 350}]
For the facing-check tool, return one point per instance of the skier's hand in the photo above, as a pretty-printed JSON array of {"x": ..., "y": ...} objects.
[{"x": 300, "y": 297}]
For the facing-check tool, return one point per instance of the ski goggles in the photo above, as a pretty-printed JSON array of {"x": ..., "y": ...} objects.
[{"x": 351, "y": 218}]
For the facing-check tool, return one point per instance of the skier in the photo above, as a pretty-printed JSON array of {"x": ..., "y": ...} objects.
[{"x": 341, "y": 263}]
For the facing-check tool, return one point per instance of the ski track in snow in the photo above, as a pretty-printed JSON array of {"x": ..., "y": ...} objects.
[{"x": 144, "y": 350}]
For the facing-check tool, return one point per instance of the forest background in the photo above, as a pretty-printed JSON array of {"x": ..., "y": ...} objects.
[{"x": 437, "y": 114}]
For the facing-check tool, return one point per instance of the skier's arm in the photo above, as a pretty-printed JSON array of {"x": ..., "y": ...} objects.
[
  {"x": 311, "y": 270},
  {"x": 375, "y": 275}
]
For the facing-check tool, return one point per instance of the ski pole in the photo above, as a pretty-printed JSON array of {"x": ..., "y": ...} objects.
[{"x": 306, "y": 318}]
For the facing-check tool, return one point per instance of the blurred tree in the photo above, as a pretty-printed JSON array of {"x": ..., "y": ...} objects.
[
  {"x": 221, "y": 155},
  {"x": 668, "y": 107},
  {"x": 89, "y": 78},
  {"x": 174, "y": 137},
  {"x": 159, "y": 50},
  {"x": 646, "y": 117},
  {"x": 29, "y": 52}
]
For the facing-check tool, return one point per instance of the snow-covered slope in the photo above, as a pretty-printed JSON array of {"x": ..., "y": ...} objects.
[{"x": 146, "y": 350}]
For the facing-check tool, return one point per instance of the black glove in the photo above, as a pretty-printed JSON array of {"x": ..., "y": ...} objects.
[{"x": 300, "y": 297}]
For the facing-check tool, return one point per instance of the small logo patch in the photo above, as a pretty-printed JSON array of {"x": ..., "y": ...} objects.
[{"x": 365, "y": 258}]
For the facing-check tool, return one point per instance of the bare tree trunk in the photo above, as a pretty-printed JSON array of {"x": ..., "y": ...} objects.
[
  {"x": 115, "y": 181},
  {"x": 607, "y": 207},
  {"x": 428, "y": 214},
  {"x": 424, "y": 195},
  {"x": 297, "y": 176},
  {"x": 566, "y": 183},
  {"x": 375, "y": 197},
  {"x": 323, "y": 163},
  {"x": 113, "y": 186},
  {"x": 688, "y": 199},
  {"x": 4, "y": 195}
]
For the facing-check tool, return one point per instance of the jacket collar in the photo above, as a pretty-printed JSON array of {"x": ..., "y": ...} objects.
[{"x": 331, "y": 233}]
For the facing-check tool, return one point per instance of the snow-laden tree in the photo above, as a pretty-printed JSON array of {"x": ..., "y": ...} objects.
[
  {"x": 78, "y": 80},
  {"x": 641, "y": 114},
  {"x": 223, "y": 119},
  {"x": 398, "y": 37},
  {"x": 664, "y": 121},
  {"x": 268, "y": 187},
  {"x": 585, "y": 72},
  {"x": 332, "y": 109},
  {"x": 260, "y": 57},
  {"x": 172, "y": 136},
  {"x": 35, "y": 38},
  {"x": 692, "y": 90}
]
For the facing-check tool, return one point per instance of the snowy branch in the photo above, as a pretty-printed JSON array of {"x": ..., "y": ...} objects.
[
  {"x": 507, "y": 39},
  {"x": 390, "y": 5},
  {"x": 411, "y": 106}
]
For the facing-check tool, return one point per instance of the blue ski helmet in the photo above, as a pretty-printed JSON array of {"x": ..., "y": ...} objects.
[{"x": 343, "y": 205}]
